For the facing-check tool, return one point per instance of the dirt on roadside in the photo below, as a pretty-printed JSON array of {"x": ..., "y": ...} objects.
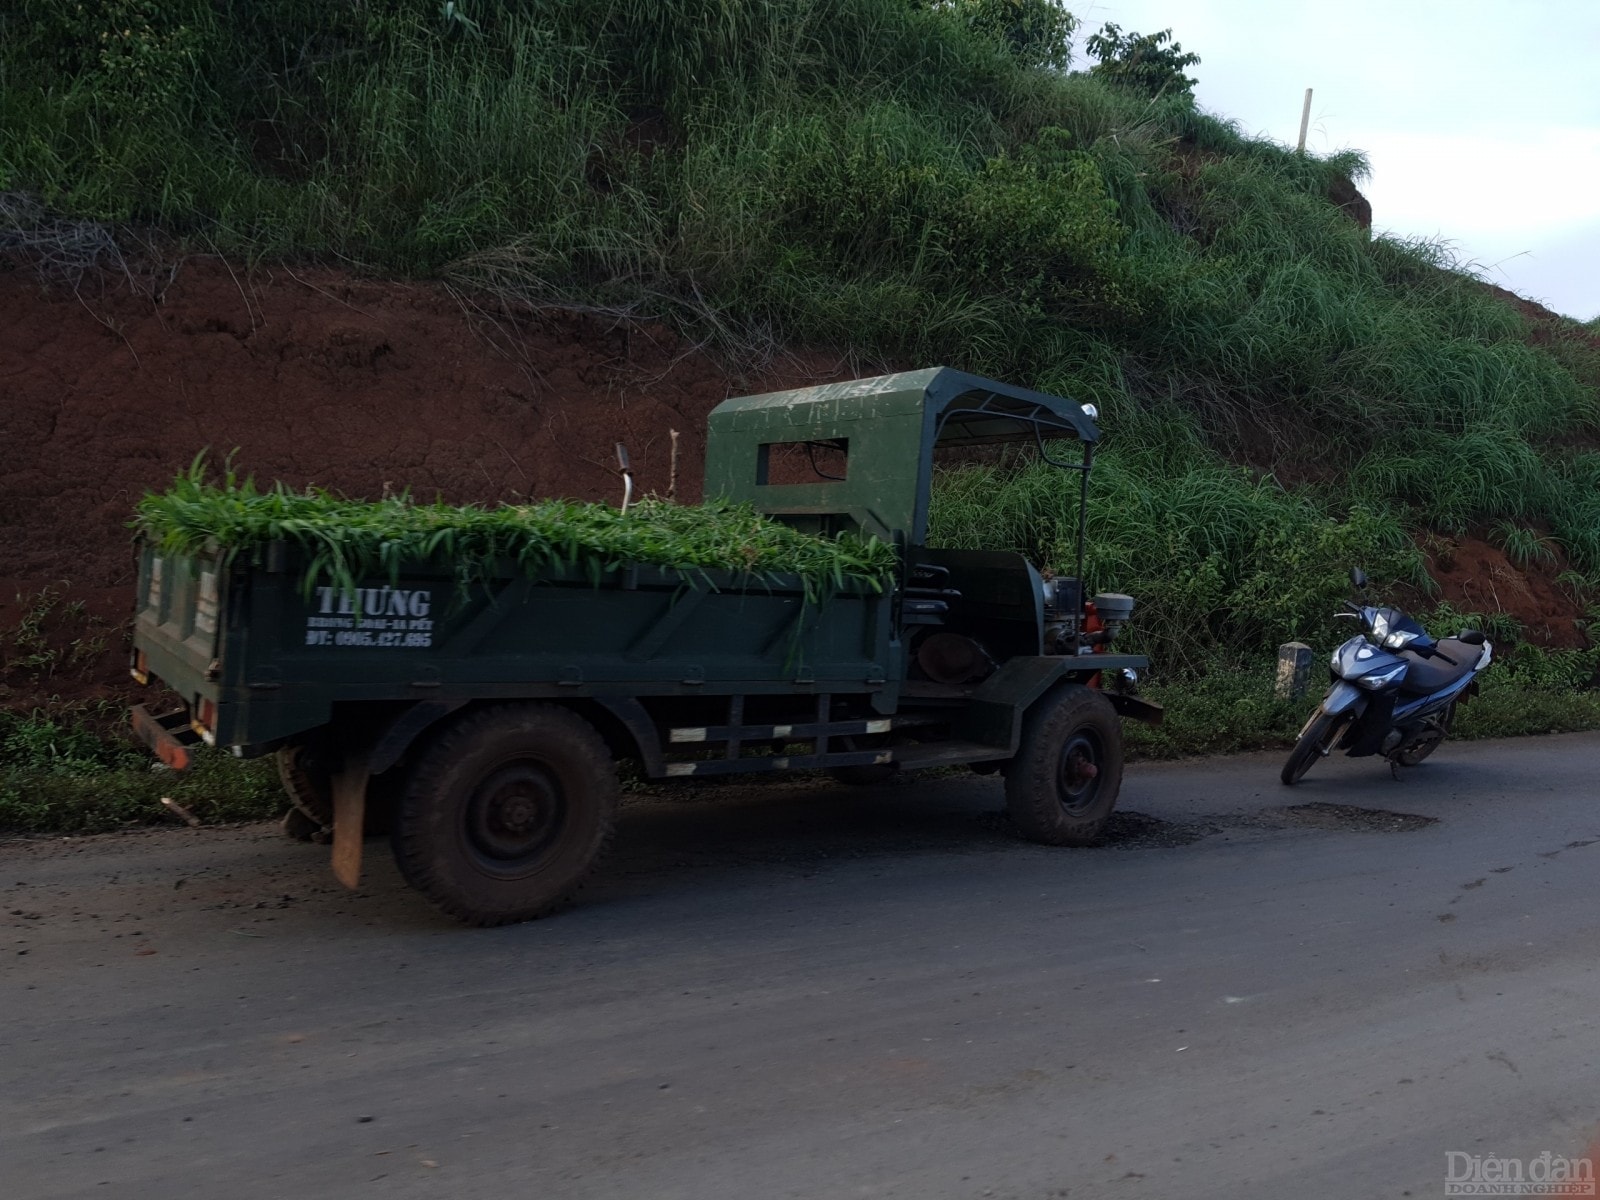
[
  {"x": 310, "y": 376},
  {"x": 1475, "y": 576}
]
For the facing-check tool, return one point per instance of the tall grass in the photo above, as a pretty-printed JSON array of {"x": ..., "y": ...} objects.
[
  {"x": 1215, "y": 555},
  {"x": 870, "y": 174}
]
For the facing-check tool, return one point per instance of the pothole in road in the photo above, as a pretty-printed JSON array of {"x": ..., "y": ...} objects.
[
  {"x": 1125, "y": 830},
  {"x": 1347, "y": 817},
  {"x": 1133, "y": 829}
]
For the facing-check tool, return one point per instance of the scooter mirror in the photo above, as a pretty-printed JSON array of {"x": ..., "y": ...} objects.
[{"x": 1358, "y": 579}]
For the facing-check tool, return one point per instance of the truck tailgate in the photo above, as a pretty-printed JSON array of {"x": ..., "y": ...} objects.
[{"x": 176, "y": 618}]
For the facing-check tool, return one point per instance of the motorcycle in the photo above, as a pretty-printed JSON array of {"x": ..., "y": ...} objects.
[{"x": 1394, "y": 692}]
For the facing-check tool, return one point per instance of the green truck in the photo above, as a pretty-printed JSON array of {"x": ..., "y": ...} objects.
[{"x": 482, "y": 728}]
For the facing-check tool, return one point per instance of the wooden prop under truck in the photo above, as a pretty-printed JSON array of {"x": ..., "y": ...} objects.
[{"x": 482, "y": 727}]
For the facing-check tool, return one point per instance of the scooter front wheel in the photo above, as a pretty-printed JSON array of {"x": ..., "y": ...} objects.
[{"x": 1315, "y": 741}]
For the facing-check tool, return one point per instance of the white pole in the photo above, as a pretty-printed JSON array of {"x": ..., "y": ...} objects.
[
  {"x": 672, "y": 474},
  {"x": 1305, "y": 119},
  {"x": 627, "y": 476}
]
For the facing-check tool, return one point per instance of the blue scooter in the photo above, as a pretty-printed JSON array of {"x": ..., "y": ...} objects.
[{"x": 1394, "y": 692}]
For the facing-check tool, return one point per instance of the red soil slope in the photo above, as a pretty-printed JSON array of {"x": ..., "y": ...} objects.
[
  {"x": 1475, "y": 576},
  {"x": 313, "y": 377}
]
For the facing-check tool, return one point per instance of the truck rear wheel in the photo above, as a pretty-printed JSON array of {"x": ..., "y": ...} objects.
[
  {"x": 310, "y": 815},
  {"x": 507, "y": 812},
  {"x": 308, "y": 783},
  {"x": 1063, "y": 783}
]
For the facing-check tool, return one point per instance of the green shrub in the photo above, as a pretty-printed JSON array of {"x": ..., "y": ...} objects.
[
  {"x": 1222, "y": 706},
  {"x": 57, "y": 744},
  {"x": 95, "y": 799},
  {"x": 1227, "y": 705},
  {"x": 1036, "y": 33},
  {"x": 1144, "y": 62},
  {"x": 74, "y": 770},
  {"x": 1507, "y": 706},
  {"x": 1214, "y": 556}
]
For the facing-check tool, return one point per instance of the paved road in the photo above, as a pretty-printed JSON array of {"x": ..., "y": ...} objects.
[{"x": 819, "y": 992}]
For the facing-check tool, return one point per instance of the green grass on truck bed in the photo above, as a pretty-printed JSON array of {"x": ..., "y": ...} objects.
[{"x": 347, "y": 540}]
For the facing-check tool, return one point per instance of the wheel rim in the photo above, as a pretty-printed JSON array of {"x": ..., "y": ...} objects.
[
  {"x": 513, "y": 817},
  {"x": 1315, "y": 748},
  {"x": 1079, "y": 772}
]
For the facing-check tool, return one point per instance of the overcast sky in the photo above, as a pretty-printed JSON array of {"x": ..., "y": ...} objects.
[{"x": 1482, "y": 121}]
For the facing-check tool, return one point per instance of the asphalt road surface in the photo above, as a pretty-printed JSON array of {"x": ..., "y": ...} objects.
[{"x": 815, "y": 991}]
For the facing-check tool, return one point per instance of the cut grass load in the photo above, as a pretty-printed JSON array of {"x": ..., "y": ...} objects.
[{"x": 347, "y": 541}]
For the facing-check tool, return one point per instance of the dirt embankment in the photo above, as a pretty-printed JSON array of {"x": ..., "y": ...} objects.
[
  {"x": 315, "y": 376},
  {"x": 312, "y": 376},
  {"x": 1475, "y": 576}
]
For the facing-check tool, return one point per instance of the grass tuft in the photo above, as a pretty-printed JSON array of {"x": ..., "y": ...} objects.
[{"x": 70, "y": 771}]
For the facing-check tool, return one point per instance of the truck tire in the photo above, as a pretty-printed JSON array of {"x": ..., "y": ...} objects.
[
  {"x": 1063, "y": 783},
  {"x": 310, "y": 790},
  {"x": 507, "y": 812},
  {"x": 310, "y": 815}
]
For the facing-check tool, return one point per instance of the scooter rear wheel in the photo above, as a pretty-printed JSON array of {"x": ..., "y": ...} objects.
[
  {"x": 1315, "y": 741},
  {"x": 1413, "y": 755}
]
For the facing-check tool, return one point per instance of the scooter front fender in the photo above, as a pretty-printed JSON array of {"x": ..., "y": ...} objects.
[{"x": 1344, "y": 696}]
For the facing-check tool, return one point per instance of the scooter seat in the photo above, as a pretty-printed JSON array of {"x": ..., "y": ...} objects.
[{"x": 1433, "y": 673}]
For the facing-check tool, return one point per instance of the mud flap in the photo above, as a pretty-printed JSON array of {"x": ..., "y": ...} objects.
[{"x": 349, "y": 817}]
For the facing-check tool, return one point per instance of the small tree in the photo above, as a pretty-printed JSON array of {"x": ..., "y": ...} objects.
[
  {"x": 1038, "y": 33},
  {"x": 1143, "y": 62}
]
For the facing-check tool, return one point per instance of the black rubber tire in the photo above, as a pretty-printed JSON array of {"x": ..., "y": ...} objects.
[
  {"x": 865, "y": 775},
  {"x": 506, "y": 813},
  {"x": 1047, "y": 795},
  {"x": 310, "y": 792},
  {"x": 300, "y": 828},
  {"x": 1321, "y": 731},
  {"x": 310, "y": 815},
  {"x": 1414, "y": 758}
]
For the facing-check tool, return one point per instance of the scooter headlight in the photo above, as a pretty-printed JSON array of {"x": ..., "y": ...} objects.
[{"x": 1381, "y": 679}]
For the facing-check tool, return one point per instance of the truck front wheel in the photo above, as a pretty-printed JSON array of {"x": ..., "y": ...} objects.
[
  {"x": 1063, "y": 783},
  {"x": 507, "y": 812}
]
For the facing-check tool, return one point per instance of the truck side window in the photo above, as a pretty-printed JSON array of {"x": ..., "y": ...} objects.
[{"x": 781, "y": 463}]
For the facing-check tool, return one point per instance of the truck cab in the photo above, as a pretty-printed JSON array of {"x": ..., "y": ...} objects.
[{"x": 860, "y": 456}]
